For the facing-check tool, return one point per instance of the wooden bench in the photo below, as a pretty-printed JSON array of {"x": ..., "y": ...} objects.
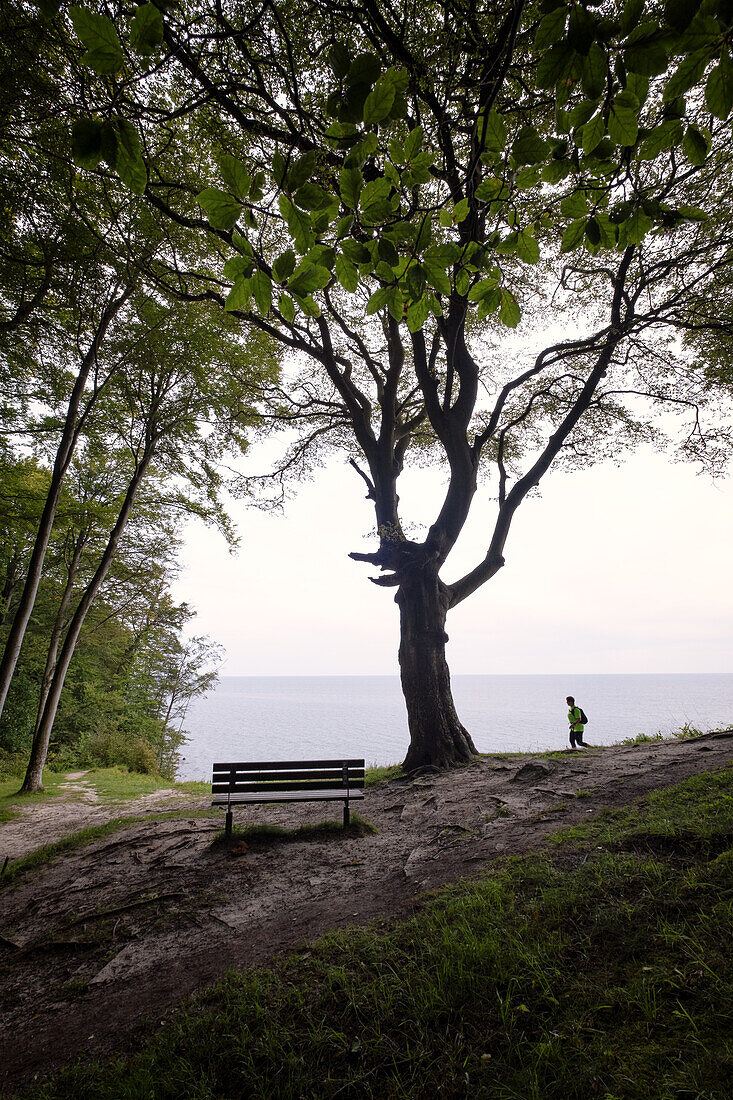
[{"x": 287, "y": 781}]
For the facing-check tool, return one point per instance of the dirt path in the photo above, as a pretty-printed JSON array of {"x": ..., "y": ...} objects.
[{"x": 116, "y": 932}]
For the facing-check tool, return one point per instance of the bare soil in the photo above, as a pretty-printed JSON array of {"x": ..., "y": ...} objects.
[{"x": 97, "y": 945}]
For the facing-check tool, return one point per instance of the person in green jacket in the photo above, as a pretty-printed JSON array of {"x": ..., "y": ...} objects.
[{"x": 576, "y": 725}]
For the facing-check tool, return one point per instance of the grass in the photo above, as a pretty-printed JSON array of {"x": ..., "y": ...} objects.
[
  {"x": 602, "y": 969},
  {"x": 113, "y": 785},
  {"x": 11, "y": 801}
]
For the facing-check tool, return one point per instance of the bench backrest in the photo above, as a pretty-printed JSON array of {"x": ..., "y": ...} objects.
[{"x": 288, "y": 775}]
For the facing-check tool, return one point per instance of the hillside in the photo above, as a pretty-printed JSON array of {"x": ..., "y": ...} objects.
[{"x": 113, "y": 933}]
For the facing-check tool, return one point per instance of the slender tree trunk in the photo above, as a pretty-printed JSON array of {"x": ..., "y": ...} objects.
[
  {"x": 34, "y": 775},
  {"x": 64, "y": 454},
  {"x": 437, "y": 737},
  {"x": 58, "y": 628}
]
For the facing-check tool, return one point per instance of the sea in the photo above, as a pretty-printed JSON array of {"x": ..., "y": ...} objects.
[{"x": 312, "y": 717}]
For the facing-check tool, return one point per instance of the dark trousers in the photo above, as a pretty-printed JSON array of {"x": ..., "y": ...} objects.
[{"x": 576, "y": 737}]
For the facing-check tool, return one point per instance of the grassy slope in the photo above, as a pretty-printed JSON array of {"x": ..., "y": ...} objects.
[{"x": 602, "y": 969}]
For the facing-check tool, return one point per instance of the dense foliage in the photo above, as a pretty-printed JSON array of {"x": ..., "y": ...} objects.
[
  {"x": 389, "y": 190},
  {"x": 123, "y": 412},
  {"x": 132, "y": 673}
]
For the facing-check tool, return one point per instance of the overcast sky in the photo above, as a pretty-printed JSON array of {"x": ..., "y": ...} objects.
[{"x": 648, "y": 589}]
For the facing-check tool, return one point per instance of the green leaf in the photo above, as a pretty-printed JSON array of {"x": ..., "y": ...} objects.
[
  {"x": 287, "y": 308},
  {"x": 129, "y": 161},
  {"x": 238, "y": 265},
  {"x": 480, "y": 289},
  {"x": 284, "y": 266},
  {"x": 279, "y": 168},
  {"x": 527, "y": 177},
  {"x": 301, "y": 171},
  {"x": 339, "y": 59},
  {"x": 573, "y": 235},
  {"x": 489, "y": 304},
  {"x": 298, "y": 224},
  {"x": 235, "y": 176},
  {"x": 631, "y": 16},
  {"x": 687, "y": 74},
  {"x": 551, "y": 29},
  {"x": 646, "y": 55},
  {"x": 637, "y": 226},
  {"x": 595, "y": 72},
  {"x": 364, "y": 69},
  {"x": 413, "y": 143},
  {"x": 494, "y": 132},
  {"x": 660, "y": 139},
  {"x": 378, "y": 300},
  {"x": 693, "y": 213},
  {"x": 379, "y": 102},
  {"x": 396, "y": 303},
  {"x": 680, "y": 13},
  {"x": 351, "y": 182},
  {"x": 556, "y": 171},
  {"x": 623, "y": 124},
  {"x": 719, "y": 89},
  {"x": 491, "y": 190},
  {"x": 461, "y": 211},
  {"x": 307, "y": 278},
  {"x": 347, "y": 273},
  {"x": 97, "y": 32},
  {"x": 309, "y": 306},
  {"x": 528, "y": 249},
  {"x": 220, "y": 208},
  {"x": 356, "y": 251},
  {"x": 509, "y": 311},
  {"x": 437, "y": 275},
  {"x": 240, "y": 294},
  {"x": 87, "y": 135},
  {"x": 146, "y": 29},
  {"x": 417, "y": 314},
  {"x": 575, "y": 205},
  {"x": 593, "y": 132},
  {"x": 311, "y": 196},
  {"x": 529, "y": 148},
  {"x": 262, "y": 290},
  {"x": 695, "y": 145},
  {"x": 558, "y": 64}
]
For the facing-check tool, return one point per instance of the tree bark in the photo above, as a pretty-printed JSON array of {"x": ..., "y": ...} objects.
[{"x": 437, "y": 737}]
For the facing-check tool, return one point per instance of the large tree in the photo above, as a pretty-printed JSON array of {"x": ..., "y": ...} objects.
[{"x": 389, "y": 186}]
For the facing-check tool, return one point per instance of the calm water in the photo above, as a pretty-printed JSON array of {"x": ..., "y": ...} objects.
[{"x": 278, "y": 717}]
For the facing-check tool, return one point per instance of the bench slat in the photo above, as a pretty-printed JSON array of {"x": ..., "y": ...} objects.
[
  {"x": 278, "y": 765},
  {"x": 289, "y": 796},
  {"x": 242, "y": 776},
  {"x": 294, "y": 785}
]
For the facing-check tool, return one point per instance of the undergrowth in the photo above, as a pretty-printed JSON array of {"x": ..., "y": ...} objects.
[{"x": 599, "y": 969}]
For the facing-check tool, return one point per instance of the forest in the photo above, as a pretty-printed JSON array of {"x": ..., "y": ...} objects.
[{"x": 362, "y": 225}]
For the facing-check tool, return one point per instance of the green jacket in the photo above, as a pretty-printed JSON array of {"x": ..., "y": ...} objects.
[{"x": 574, "y": 720}]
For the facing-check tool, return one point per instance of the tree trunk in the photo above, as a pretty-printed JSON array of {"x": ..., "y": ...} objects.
[
  {"x": 69, "y": 438},
  {"x": 42, "y": 737},
  {"x": 437, "y": 737}
]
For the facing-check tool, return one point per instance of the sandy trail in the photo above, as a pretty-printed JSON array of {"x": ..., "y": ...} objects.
[{"x": 114, "y": 933}]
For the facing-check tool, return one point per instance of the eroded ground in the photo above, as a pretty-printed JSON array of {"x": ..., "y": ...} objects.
[{"x": 103, "y": 940}]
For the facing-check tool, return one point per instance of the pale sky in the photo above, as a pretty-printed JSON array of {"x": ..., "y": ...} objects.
[{"x": 648, "y": 589}]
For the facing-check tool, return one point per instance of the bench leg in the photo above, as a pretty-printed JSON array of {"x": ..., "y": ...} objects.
[
  {"x": 228, "y": 826},
  {"x": 346, "y": 815}
]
